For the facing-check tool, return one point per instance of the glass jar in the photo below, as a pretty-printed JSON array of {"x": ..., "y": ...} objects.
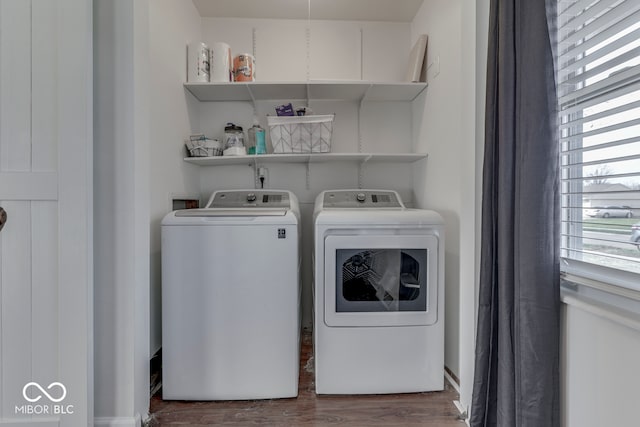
[{"x": 233, "y": 136}]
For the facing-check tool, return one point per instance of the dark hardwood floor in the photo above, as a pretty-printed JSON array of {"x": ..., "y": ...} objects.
[{"x": 308, "y": 409}]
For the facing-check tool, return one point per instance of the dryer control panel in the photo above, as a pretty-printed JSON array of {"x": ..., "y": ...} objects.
[
  {"x": 353, "y": 199},
  {"x": 250, "y": 199}
]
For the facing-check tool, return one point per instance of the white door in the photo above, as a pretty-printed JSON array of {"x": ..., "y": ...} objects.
[{"x": 46, "y": 191}]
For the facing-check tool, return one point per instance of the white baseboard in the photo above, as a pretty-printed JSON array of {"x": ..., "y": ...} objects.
[
  {"x": 464, "y": 415},
  {"x": 117, "y": 421},
  {"x": 30, "y": 422},
  {"x": 453, "y": 382}
]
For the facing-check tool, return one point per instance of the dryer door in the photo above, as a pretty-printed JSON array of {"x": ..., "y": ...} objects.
[{"x": 381, "y": 280}]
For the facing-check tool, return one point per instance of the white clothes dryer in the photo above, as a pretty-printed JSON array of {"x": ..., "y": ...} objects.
[
  {"x": 231, "y": 298},
  {"x": 378, "y": 294}
]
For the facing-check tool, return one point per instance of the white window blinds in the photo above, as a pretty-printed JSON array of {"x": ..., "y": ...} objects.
[{"x": 598, "y": 68}]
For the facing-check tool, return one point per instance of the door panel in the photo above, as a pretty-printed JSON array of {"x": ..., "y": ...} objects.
[
  {"x": 44, "y": 291},
  {"x": 45, "y": 187},
  {"x": 15, "y": 85},
  {"x": 16, "y": 303},
  {"x": 44, "y": 129}
]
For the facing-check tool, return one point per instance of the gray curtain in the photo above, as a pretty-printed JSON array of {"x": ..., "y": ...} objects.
[{"x": 517, "y": 346}]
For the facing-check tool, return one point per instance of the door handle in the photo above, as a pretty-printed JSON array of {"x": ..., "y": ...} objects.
[{"x": 3, "y": 218}]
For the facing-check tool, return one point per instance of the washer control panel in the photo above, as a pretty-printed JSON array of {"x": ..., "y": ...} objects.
[
  {"x": 350, "y": 199},
  {"x": 250, "y": 199}
]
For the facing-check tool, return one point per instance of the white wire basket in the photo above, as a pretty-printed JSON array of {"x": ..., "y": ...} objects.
[{"x": 204, "y": 147}]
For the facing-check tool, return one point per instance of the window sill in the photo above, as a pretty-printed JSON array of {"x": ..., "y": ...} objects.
[
  {"x": 609, "y": 301},
  {"x": 610, "y": 280}
]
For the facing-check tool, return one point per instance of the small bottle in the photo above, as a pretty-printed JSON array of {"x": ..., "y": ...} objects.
[
  {"x": 261, "y": 145},
  {"x": 257, "y": 144},
  {"x": 251, "y": 140}
]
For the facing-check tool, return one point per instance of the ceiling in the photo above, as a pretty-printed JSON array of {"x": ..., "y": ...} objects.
[{"x": 347, "y": 10}]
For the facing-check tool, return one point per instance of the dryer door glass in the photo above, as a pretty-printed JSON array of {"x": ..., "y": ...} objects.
[
  {"x": 381, "y": 279},
  {"x": 375, "y": 280}
]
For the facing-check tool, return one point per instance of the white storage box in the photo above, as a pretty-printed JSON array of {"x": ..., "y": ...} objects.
[{"x": 301, "y": 134}]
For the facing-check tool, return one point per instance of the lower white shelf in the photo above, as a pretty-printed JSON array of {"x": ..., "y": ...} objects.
[{"x": 307, "y": 158}]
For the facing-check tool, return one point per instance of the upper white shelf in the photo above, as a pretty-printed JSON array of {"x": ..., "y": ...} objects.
[
  {"x": 352, "y": 10},
  {"x": 318, "y": 90},
  {"x": 307, "y": 158}
]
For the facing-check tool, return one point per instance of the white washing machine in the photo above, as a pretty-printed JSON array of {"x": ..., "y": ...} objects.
[
  {"x": 378, "y": 294},
  {"x": 231, "y": 298}
]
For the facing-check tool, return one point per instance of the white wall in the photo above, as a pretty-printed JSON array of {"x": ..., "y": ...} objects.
[
  {"x": 475, "y": 23},
  {"x": 600, "y": 369},
  {"x": 342, "y": 50},
  {"x": 439, "y": 123},
  {"x": 450, "y": 128},
  {"x": 173, "y": 111},
  {"x": 121, "y": 240}
]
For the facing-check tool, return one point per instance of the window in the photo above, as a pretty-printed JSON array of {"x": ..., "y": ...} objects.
[{"x": 599, "y": 96}]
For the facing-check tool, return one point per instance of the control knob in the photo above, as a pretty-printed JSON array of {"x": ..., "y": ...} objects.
[
  {"x": 361, "y": 197},
  {"x": 251, "y": 197}
]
